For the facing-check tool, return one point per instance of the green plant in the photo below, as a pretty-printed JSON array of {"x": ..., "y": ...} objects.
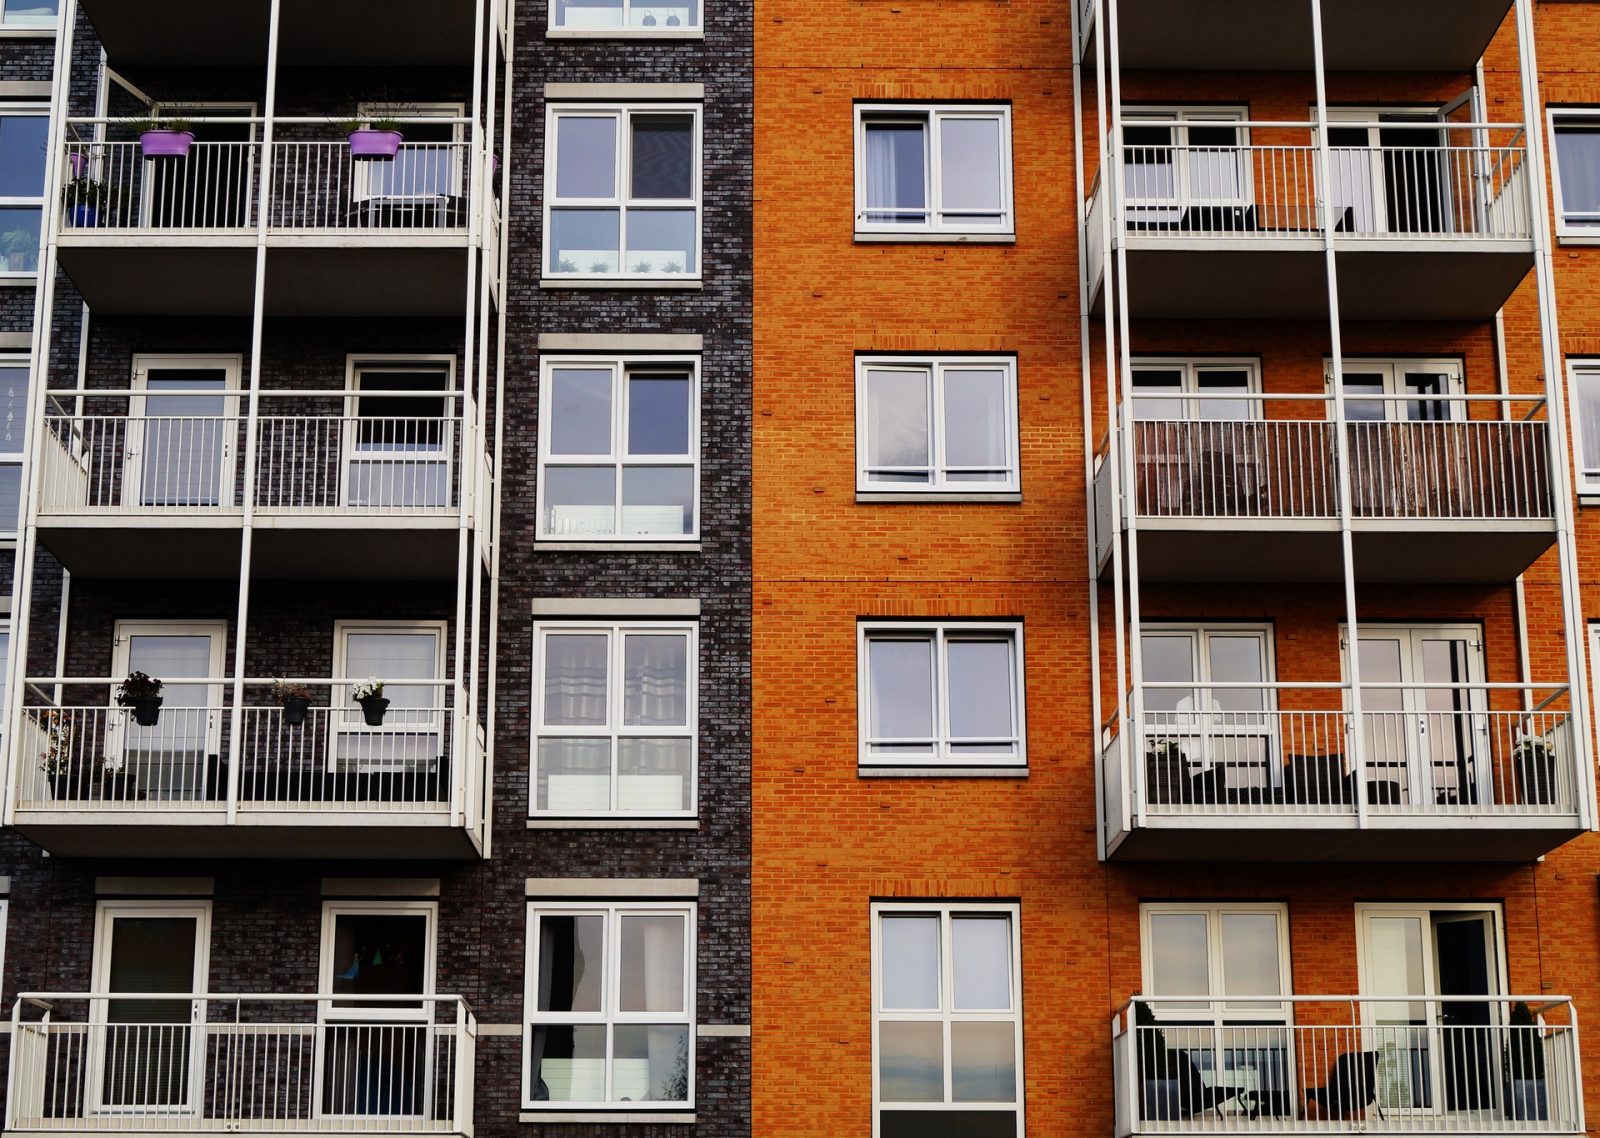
[
  {"x": 672, "y": 267},
  {"x": 56, "y": 758},
  {"x": 1524, "y": 1056},
  {"x": 599, "y": 267},
  {"x": 389, "y": 116},
  {"x": 370, "y": 688},
  {"x": 284, "y": 689},
  {"x": 87, "y": 191},
  {"x": 566, "y": 266},
  {"x": 143, "y": 126},
  {"x": 136, "y": 687}
]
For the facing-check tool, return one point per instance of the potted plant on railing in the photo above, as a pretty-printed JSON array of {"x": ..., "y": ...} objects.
[
  {"x": 164, "y": 138},
  {"x": 116, "y": 785},
  {"x": 296, "y": 701},
  {"x": 143, "y": 694},
  {"x": 1159, "y": 1077},
  {"x": 376, "y": 136},
  {"x": 55, "y": 761},
  {"x": 85, "y": 200},
  {"x": 369, "y": 694},
  {"x": 1525, "y": 1096},
  {"x": 1166, "y": 770},
  {"x": 21, "y": 247},
  {"x": 1535, "y": 763}
]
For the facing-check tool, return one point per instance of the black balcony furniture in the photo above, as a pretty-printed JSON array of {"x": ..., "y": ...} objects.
[
  {"x": 1195, "y": 1095},
  {"x": 1380, "y": 791},
  {"x": 1350, "y": 1087},
  {"x": 1316, "y": 780}
]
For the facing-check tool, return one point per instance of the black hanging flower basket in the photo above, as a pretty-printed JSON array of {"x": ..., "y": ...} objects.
[
  {"x": 373, "y": 709},
  {"x": 295, "y": 708},
  {"x": 147, "y": 711}
]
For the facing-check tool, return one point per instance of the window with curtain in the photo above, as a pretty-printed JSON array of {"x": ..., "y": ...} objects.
[
  {"x": 948, "y": 695},
  {"x": 942, "y": 424},
  {"x": 619, "y": 450},
  {"x": 622, "y": 192},
  {"x": 1585, "y": 389},
  {"x": 610, "y": 1005},
  {"x": 941, "y": 169},
  {"x": 24, "y": 135},
  {"x": 614, "y": 719},
  {"x": 947, "y": 1020},
  {"x": 1576, "y": 154}
]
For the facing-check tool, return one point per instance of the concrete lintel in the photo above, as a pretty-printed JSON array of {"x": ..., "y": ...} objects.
[
  {"x": 380, "y": 886},
  {"x": 613, "y": 887},
  {"x": 581, "y": 607},
  {"x": 620, "y": 342},
  {"x": 154, "y": 886},
  {"x": 664, "y": 92}
]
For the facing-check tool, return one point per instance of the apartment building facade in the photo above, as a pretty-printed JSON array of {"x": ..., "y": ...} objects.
[
  {"x": 400, "y": 344},
  {"x": 1172, "y": 709}
]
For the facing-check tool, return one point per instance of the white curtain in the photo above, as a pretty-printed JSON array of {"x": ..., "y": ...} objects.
[
  {"x": 655, "y": 681},
  {"x": 894, "y": 172},
  {"x": 575, "y": 680}
]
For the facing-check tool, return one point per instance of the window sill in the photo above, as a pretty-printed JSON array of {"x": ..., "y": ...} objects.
[
  {"x": 20, "y": 280},
  {"x": 941, "y": 772},
  {"x": 26, "y": 33},
  {"x": 896, "y": 497},
  {"x": 616, "y": 546},
  {"x": 625, "y": 33},
  {"x": 639, "y": 283},
  {"x": 613, "y": 823},
  {"x": 927, "y": 237},
  {"x": 1578, "y": 238},
  {"x": 1591, "y": 498},
  {"x": 601, "y": 1116}
]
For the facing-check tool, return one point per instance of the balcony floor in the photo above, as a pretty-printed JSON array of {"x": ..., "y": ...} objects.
[
  {"x": 1270, "y": 35},
  {"x": 1395, "y": 837}
]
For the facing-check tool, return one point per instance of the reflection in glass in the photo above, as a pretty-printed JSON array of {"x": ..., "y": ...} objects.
[
  {"x": 652, "y": 1063},
  {"x": 900, "y": 695},
  {"x": 910, "y": 952},
  {"x": 910, "y": 1062},
  {"x": 983, "y": 1062},
  {"x": 982, "y": 950}
]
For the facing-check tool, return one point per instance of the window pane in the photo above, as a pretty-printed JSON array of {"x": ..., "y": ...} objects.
[
  {"x": 580, "y": 500},
  {"x": 658, "y": 414},
  {"x": 19, "y": 239},
  {"x": 571, "y": 962},
  {"x": 575, "y": 680},
  {"x": 680, "y": 14},
  {"x": 1586, "y": 387},
  {"x": 983, "y": 1062},
  {"x": 975, "y": 422},
  {"x": 1231, "y": 381},
  {"x": 580, "y": 411},
  {"x": 663, "y": 156},
  {"x": 980, "y": 689},
  {"x": 652, "y": 963},
  {"x": 13, "y": 408},
  {"x": 969, "y": 166},
  {"x": 10, "y": 497},
  {"x": 376, "y": 954},
  {"x": 652, "y": 1063},
  {"x": 586, "y": 157},
  {"x": 910, "y": 1062},
  {"x": 655, "y": 684},
  {"x": 392, "y": 656},
  {"x": 31, "y": 12},
  {"x": 1150, "y": 381},
  {"x": 896, "y": 175},
  {"x": 574, "y": 775},
  {"x": 661, "y": 241},
  {"x": 1250, "y": 954},
  {"x": 653, "y": 775},
  {"x": 1147, "y": 162},
  {"x": 588, "y": 13},
  {"x": 567, "y": 1062},
  {"x": 1178, "y": 955},
  {"x": 585, "y": 240},
  {"x": 901, "y": 689},
  {"x": 22, "y": 155},
  {"x": 1236, "y": 660},
  {"x": 1578, "y": 158},
  {"x": 910, "y": 965},
  {"x": 1365, "y": 409},
  {"x": 897, "y": 424},
  {"x": 982, "y": 949},
  {"x": 1166, "y": 659},
  {"x": 658, "y": 499}
]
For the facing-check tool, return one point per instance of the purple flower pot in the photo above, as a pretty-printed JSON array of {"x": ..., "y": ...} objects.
[
  {"x": 78, "y": 163},
  {"x": 383, "y": 144},
  {"x": 165, "y": 143}
]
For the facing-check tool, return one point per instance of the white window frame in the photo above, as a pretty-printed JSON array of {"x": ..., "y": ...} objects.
[
  {"x": 24, "y": 109},
  {"x": 139, "y": 418},
  {"x": 934, "y": 368},
  {"x": 328, "y": 966},
  {"x": 1179, "y": 117},
  {"x": 1196, "y": 729},
  {"x": 1189, "y": 393},
  {"x": 356, "y": 369},
  {"x": 615, "y": 632},
  {"x": 621, "y": 201},
  {"x": 628, "y": 30},
  {"x": 1569, "y": 232},
  {"x": 1217, "y": 1009},
  {"x": 947, "y": 1015},
  {"x": 340, "y": 720},
  {"x": 940, "y": 632},
  {"x": 20, "y": 456},
  {"x": 930, "y": 115},
  {"x": 619, "y": 366},
  {"x": 1394, "y": 369},
  {"x": 609, "y": 1016},
  {"x": 1584, "y": 373},
  {"x": 39, "y": 28}
]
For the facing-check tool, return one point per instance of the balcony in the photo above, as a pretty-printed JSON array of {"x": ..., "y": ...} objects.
[
  {"x": 1396, "y": 1064},
  {"x": 1268, "y": 35},
  {"x": 211, "y": 779},
  {"x": 335, "y": 492},
  {"x": 1441, "y": 230},
  {"x": 1273, "y": 772},
  {"x": 1453, "y": 498},
  {"x": 347, "y": 236},
  {"x": 212, "y": 1063}
]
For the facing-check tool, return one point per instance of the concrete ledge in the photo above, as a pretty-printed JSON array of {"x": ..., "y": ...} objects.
[
  {"x": 942, "y": 772},
  {"x": 620, "y": 342},
  {"x": 723, "y": 1030},
  {"x": 380, "y": 886},
  {"x": 16, "y": 341},
  {"x": 902, "y": 497},
  {"x": 154, "y": 886},
  {"x": 616, "y": 547},
  {"x": 604, "y": 1116},
  {"x": 616, "y": 606},
  {"x": 623, "y": 91},
  {"x": 924, "y": 238},
  {"x": 641, "y": 285},
  {"x": 625, "y": 34},
  {"x": 30, "y": 280},
  {"x": 25, "y": 88},
  {"x": 683, "y": 887},
  {"x": 618, "y": 824},
  {"x": 499, "y": 1029}
]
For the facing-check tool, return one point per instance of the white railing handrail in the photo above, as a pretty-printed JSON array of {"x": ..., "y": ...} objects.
[
  {"x": 1311, "y": 397},
  {"x": 250, "y": 997},
  {"x": 265, "y": 393},
  {"x": 1247, "y": 685},
  {"x": 291, "y": 120},
  {"x": 1304, "y": 124},
  {"x": 446, "y": 682}
]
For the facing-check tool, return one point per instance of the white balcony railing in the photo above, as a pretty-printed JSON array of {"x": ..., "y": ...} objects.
[
  {"x": 1286, "y": 750},
  {"x": 317, "y": 186},
  {"x": 1393, "y": 1064},
  {"x": 225, "y": 1063},
  {"x": 95, "y": 756}
]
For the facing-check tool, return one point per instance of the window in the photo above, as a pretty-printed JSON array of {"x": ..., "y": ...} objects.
[
  {"x": 1389, "y": 390},
  {"x": 615, "y": 719},
  {"x": 1195, "y": 390},
  {"x": 630, "y": 17},
  {"x": 1585, "y": 388},
  {"x": 619, "y": 450},
  {"x": 933, "y": 169},
  {"x": 1182, "y": 165},
  {"x": 622, "y": 192},
  {"x": 947, "y": 1020},
  {"x": 410, "y": 738},
  {"x": 14, "y": 376},
  {"x": 24, "y": 140},
  {"x": 937, "y": 424},
  {"x": 1575, "y": 153},
  {"x": 610, "y": 1002},
  {"x": 29, "y": 14},
  {"x": 400, "y": 446},
  {"x": 949, "y": 695}
]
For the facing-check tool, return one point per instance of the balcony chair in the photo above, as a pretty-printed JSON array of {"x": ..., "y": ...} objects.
[
  {"x": 1316, "y": 780},
  {"x": 1195, "y": 1095},
  {"x": 1350, "y": 1088}
]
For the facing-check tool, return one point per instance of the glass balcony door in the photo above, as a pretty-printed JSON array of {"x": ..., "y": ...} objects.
[
  {"x": 180, "y": 436},
  {"x": 1388, "y": 179},
  {"x": 171, "y": 760}
]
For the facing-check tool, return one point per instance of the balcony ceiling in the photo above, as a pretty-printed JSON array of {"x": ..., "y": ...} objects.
[
  {"x": 1387, "y": 839},
  {"x": 313, "y": 33},
  {"x": 1275, "y": 35},
  {"x": 258, "y": 834}
]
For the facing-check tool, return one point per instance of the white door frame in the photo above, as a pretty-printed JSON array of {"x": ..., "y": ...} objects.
[
  {"x": 133, "y": 458},
  {"x": 359, "y": 366},
  {"x": 1348, "y": 116},
  {"x": 121, "y": 645},
  {"x": 338, "y": 721},
  {"x": 206, "y": 109},
  {"x": 106, "y": 914}
]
